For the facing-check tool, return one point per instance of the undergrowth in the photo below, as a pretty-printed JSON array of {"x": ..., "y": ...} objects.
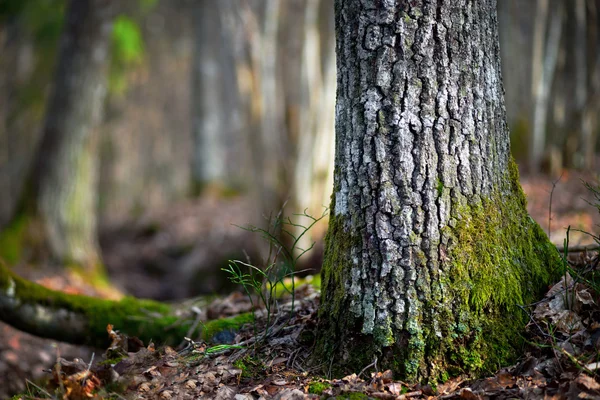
[{"x": 262, "y": 283}]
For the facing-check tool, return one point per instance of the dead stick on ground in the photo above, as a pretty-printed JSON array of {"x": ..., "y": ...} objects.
[{"x": 579, "y": 249}]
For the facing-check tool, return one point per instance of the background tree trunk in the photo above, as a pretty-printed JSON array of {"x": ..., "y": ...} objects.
[
  {"x": 64, "y": 176},
  {"x": 430, "y": 246},
  {"x": 312, "y": 130},
  {"x": 544, "y": 66},
  {"x": 211, "y": 71}
]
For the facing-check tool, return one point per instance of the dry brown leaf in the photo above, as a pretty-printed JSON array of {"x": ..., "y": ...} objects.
[
  {"x": 505, "y": 379},
  {"x": 276, "y": 361},
  {"x": 450, "y": 386},
  {"x": 584, "y": 296},
  {"x": 468, "y": 394},
  {"x": 225, "y": 393},
  {"x": 191, "y": 384},
  {"x": 588, "y": 382},
  {"x": 395, "y": 388}
]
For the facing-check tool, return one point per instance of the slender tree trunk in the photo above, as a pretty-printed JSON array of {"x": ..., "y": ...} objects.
[
  {"x": 313, "y": 135},
  {"x": 64, "y": 176},
  {"x": 5, "y": 184},
  {"x": 430, "y": 247},
  {"x": 543, "y": 77},
  {"x": 209, "y": 108}
]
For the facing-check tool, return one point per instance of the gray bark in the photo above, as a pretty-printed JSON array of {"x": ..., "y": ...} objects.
[
  {"x": 421, "y": 145},
  {"x": 65, "y": 172}
]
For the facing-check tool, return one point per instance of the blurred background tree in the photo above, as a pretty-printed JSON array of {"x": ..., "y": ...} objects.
[
  {"x": 551, "y": 74},
  {"x": 219, "y": 112}
]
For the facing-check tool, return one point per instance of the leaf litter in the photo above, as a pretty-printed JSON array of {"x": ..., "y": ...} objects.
[{"x": 561, "y": 360}]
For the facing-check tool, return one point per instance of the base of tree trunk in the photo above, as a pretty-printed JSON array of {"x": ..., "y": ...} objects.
[{"x": 496, "y": 259}]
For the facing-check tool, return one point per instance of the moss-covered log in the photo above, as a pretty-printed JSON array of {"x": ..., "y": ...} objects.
[
  {"x": 82, "y": 319},
  {"x": 430, "y": 248}
]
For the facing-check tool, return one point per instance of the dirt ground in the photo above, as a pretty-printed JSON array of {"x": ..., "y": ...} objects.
[
  {"x": 569, "y": 203},
  {"x": 159, "y": 255}
]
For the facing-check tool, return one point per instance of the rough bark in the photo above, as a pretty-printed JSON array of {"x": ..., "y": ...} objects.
[
  {"x": 64, "y": 177},
  {"x": 430, "y": 247}
]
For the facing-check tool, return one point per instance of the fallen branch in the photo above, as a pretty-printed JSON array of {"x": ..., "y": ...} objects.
[
  {"x": 578, "y": 249},
  {"x": 78, "y": 319}
]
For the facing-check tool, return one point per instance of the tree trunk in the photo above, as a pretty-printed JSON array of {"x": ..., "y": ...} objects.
[
  {"x": 430, "y": 247},
  {"x": 64, "y": 177},
  {"x": 210, "y": 72},
  {"x": 308, "y": 68},
  {"x": 543, "y": 74}
]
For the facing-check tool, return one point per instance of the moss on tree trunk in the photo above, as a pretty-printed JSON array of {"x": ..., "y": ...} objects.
[{"x": 430, "y": 249}]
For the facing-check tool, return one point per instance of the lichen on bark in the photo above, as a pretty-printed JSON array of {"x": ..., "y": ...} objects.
[{"x": 430, "y": 247}]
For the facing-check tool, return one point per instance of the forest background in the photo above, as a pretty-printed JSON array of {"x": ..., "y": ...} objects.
[{"x": 219, "y": 114}]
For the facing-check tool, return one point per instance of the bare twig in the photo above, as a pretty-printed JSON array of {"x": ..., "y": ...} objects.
[{"x": 373, "y": 364}]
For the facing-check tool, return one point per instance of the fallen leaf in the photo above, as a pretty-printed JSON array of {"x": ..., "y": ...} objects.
[
  {"x": 468, "y": 394},
  {"x": 588, "y": 382}
]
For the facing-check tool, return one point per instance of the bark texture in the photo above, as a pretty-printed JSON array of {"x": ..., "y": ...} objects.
[
  {"x": 429, "y": 247},
  {"x": 64, "y": 176}
]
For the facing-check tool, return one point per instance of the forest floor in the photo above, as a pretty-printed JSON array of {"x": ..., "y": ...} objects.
[{"x": 561, "y": 363}]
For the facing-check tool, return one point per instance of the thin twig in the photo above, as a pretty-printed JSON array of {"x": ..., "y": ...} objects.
[
  {"x": 373, "y": 364},
  {"x": 533, "y": 320}
]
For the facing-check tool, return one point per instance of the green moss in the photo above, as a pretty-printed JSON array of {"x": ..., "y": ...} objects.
[
  {"x": 12, "y": 239},
  {"x": 495, "y": 257},
  {"x": 499, "y": 258},
  {"x": 233, "y": 324},
  {"x": 112, "y": 361},
  {"x": 318, "y": 387},
  {"x": 146, "y": 319},
  {"x": 252, "y": 368},
  {"x": 439, "y": 187},
  {"x": 338, "y": 243},
  {"x": 285, "y": 286},
  {"x": 352, "y": 396}
]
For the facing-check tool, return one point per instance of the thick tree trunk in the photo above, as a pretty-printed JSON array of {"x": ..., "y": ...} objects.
[
  {"x": 64, "y": 177},
  {"x": 430, "y": 247}
]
